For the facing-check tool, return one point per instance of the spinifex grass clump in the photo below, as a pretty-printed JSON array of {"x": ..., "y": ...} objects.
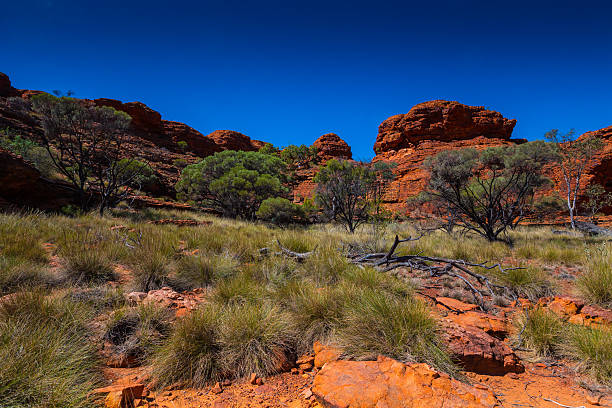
[
  {"x": 595, "y": 283},
  {"x": 402, "y": 328},
  {"x": 540, "y": 330},
  {"x": 46, "y": 358},
  {"x": 135, "y": 332},
  {"x": 592, "y": 347}
]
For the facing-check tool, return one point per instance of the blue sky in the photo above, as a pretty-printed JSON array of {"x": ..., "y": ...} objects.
[{"x": 288, "y": 71}]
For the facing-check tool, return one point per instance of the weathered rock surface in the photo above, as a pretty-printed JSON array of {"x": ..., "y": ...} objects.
[
  {"x": 443, "y": 121},
  {"x": 480, "y": 352},
  {"x": 22, "y": 185},
  {"x": 6, "y": 89},
  {"x": 331, "y": 146},
  {"x": 391, "y": 384},
  {"x": 232, "y": 140}
]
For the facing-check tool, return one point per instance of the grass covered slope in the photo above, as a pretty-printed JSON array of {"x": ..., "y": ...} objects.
[{"x": 261, "y": 309}]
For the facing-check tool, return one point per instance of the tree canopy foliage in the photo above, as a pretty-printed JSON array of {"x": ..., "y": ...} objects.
[
  {"x": 87, "y": 144},
  {"x": 235, "y": 183},
  {"x": 490, "y": 190}
]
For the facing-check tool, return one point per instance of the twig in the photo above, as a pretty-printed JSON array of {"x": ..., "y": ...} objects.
[{"x": 561, "y": 405}]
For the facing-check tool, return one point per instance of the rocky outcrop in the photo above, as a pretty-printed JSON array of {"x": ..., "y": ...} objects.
[
  {"x": 443, "y": 121},
  {"x": 427, "y": 129},
  {"x": 391, "y": 384},
  {"x": 331, "y": 146},
  {"x": 23, "y": 186},
  {"x": 479, "y": 352},
  {"x": 6, "y": 89},
  {"x": 232, "y": 140}
]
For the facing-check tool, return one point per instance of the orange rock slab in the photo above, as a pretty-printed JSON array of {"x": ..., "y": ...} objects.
[{"x": 390, "y": 384}]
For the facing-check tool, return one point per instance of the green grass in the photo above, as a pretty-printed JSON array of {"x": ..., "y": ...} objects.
[
  {"x": 46, "y": 358},
  {"x": 402, "y": 328},
  {"x": 261, "y": 307},
  {"x": 136, "y": 332},
  {"x": 254, "y": 338},
  {"x": 540, "y": 330},
  {"x": 595, "y": 283},
  {"x": 190, "y": 355},
  {"x": 592, "y": 348}
]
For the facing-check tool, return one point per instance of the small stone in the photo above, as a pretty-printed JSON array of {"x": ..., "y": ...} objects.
[
  {"x": 217, "y": 388},
  {"x": 307, "y": 393},
  {"x": 305, "y": 366},
  {"x": 305, "y": 376},
  {"x": 305, "y": 360},
  {"x": 259, "y": 381}
]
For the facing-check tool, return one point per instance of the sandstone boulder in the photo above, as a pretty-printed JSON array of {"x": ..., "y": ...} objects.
[
  {"x": 442, "y": 121},
  {"x": 232, "y": 140},
  {"x": 331, "y": 146},
  {"x": 391, "y": 384}
]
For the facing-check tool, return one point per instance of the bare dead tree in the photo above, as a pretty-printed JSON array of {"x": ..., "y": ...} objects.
[{"x": 574, "y": 155}]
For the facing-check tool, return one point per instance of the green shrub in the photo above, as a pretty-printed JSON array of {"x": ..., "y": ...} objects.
[
  {"x": 190, "y": 354},
  {"x": 595, "y": 283},
  {"x": 151, "y": 272},
  {"x": 254, "y": 338},
  {"x": 404, "y": 329},
  {"x": 281, "y": 211},
  {"x": 592, "y": 347},
  {"x": 46, "y": 357},
  {"x": 233, "y": 182},
  {"x": 540, "y": 330}
]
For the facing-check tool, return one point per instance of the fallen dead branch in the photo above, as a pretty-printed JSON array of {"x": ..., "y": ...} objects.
[{"x": 480, "y": 285}]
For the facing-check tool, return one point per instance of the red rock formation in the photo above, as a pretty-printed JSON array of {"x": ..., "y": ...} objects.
[
  {"x": 22, "y": 185},
  {"x": 427, "y": 129},
  {"x": 5, "y": 86},
  {"x": 391, "y": 384},
  {"x": 442, "y": 121},
  {"x": 232, "y": 140},
  {"x": 331, "y": 146}
]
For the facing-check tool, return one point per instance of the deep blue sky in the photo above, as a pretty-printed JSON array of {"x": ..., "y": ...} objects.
[{"x": 288, "y": 71}]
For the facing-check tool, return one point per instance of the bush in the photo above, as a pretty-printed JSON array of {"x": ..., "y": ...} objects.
[
  {"x": 376, "y": 323},
  {"x": 234, "y": 183},
  {"x": 46, "y": 357},
  {"x": 241, "y": 288},
  {"x": 488, "y": 191},
  {"x": 190, "y": 354},
  {"x": 595, "y": 283},
  {"x": 541, "y": 330},
  {"x": 254, "y": 338},
  {"x": 592, "y": 347},
  {"x": 281, "y": 211}
]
